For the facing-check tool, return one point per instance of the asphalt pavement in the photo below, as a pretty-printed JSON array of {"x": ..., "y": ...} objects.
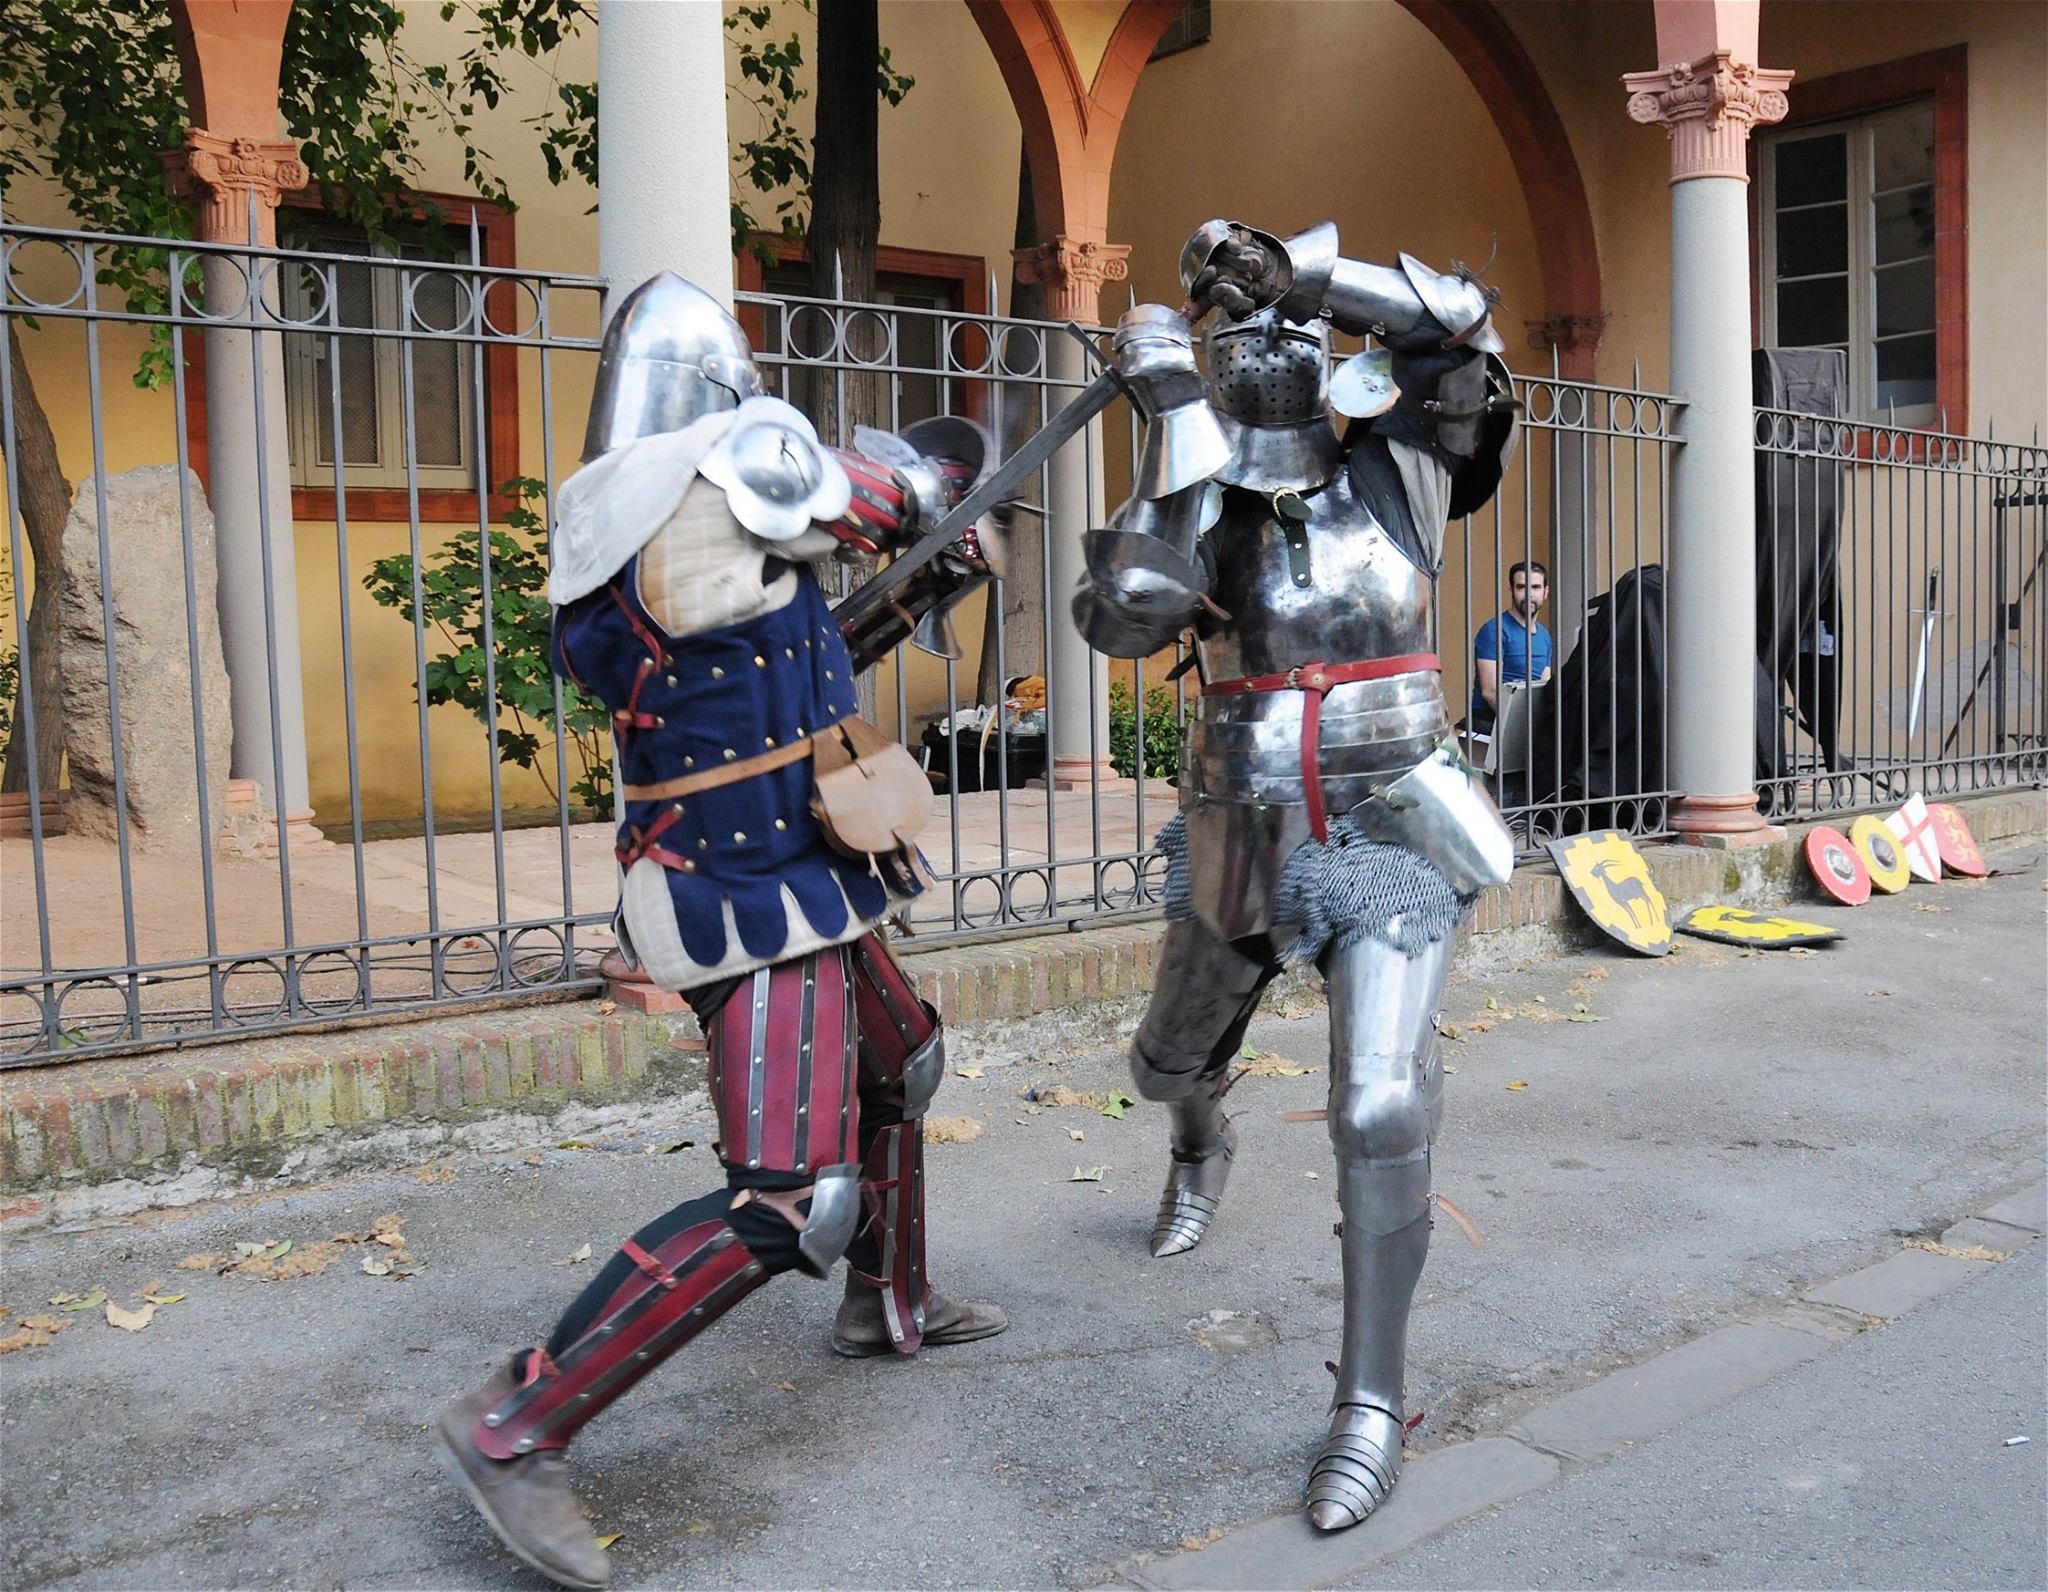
[{"x": 1695, "y": 1141}]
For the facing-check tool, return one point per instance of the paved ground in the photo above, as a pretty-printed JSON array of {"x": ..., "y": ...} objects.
[{"x": 1734, "y": 1131}]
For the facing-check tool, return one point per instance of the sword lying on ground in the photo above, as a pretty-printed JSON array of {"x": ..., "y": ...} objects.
[{"x": 1092, "y": 399}]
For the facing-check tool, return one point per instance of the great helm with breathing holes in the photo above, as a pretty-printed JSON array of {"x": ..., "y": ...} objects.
[{"x": 671, "y": 355}]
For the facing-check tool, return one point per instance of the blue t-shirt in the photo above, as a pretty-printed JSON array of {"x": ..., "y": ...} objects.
[{"x": 1522, "y": 652}]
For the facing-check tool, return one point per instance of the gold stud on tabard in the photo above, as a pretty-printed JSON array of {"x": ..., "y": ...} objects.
[
  {"x": 1734, "y": 926},
  {"x": 1837, "y": 868},
  {"x": 1959, "y": 853},
  {"x": 1612, "y": 884},
  {"x": 1912, "y": 826},
  {"x": 1880, "y": 853}
]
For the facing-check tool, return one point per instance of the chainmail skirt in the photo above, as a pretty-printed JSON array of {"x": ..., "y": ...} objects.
[{"x": 1341, "y": 891}]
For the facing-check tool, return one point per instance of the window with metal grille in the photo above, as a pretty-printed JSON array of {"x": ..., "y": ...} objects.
[
  {"x": 1848, "y": 252},
  {"x": 376, "y": 425}
]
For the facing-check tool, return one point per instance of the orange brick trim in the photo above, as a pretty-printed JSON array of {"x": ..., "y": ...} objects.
[{"x": 1483, "y": 44}]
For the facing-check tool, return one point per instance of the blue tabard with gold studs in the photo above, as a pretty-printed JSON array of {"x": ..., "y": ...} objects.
[{"x": 734, "y": 877}]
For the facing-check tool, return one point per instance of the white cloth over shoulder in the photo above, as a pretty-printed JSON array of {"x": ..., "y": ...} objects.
[{"x": 615, "y": 505}]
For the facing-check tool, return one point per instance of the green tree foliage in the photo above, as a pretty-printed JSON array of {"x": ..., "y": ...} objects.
[{"x": 450, "y": 597}]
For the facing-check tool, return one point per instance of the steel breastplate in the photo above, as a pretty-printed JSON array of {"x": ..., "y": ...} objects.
[{"x": 1241, "y": 783}]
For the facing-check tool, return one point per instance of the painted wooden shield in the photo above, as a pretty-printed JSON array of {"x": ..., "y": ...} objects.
[
  {"x": 1836, "y": 867},
  {"x": 1612, "y": 884},
  {"x": 1912, "y": 826},
  {"x": 1959, "y": 853},
  {"x": 1737, "y": 927},
  {"x": 1880, "y": 853}
]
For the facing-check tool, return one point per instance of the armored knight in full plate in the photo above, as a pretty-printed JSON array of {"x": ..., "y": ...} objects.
[
  {"x": 1323, "y": 815},
  {"x": 683, "y": 600}
]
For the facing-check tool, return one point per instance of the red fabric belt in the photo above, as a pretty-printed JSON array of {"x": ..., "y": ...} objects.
[{"x": 1316, "y": 680}]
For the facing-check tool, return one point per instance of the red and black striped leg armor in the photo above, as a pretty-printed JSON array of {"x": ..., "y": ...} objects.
[
  {"x": 902, "y": 1056},
  {"x": 675, "y": 1292}
]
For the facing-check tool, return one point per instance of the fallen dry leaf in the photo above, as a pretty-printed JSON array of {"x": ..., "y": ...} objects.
[
  {"x": 1271, "y": 1064},
  {"x": 156, "y": 1296},
  {"x": 1880, "y": 992},
  {"x": 1076, "y": 1135},
  {"x": 609, "y": 1537},
  {"x": 71, "y": 1304},
  {"x": 970, "y": 1072},
  {"x": 1088, "y": 1174},
  {"x": 1116, "y": 1103},
  {"x": 1516, "y": 1084},
  {"x": 199, "y": 1262},
  {"x": 605, "y": 1009},
  {"x": 282, "y": 1262},
  {"x": 434, "y": 1174},
  {"x": 951, "y": 1130},
  {"x": 787, "y": 1387},
  {"x": 1196, "y": 1544},
  {"x": 129, "y": 1320},
  {"x": 35, "y": 1332},
  {"x": 1450, "y": 1032},
  {"x": 1060, "y": 1095},
  {"x": 1956, "y": 1251},
  {"x": 376, "y": 1267},
  {"x": 576, "y": 1257},
  {"x": 1313, "y": 1177}
]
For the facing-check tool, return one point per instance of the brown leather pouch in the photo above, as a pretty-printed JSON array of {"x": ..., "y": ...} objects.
[{"x": 869, "y": 795}]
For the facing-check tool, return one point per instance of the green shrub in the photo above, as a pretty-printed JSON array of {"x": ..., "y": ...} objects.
[
  {"x": 1162, "y": 731},
  {"x": 451, "y": 586}
]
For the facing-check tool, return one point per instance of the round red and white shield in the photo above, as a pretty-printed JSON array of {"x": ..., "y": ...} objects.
[
  {"x": 1836, "y": 867},
  {"x": 1880, "y": 853},
  {"x": 1959, "y": 853}
]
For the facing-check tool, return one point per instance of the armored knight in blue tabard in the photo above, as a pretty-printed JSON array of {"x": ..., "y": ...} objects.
[{"x": 684, "y": 602}]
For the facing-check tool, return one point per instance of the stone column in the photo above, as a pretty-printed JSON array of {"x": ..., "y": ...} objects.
[
  {"x": 1707, "y": 101},
  {"x": 662, "y": 174},
  {"x": 1072, "y": 274},
  {"x": 227, "y": 178}
]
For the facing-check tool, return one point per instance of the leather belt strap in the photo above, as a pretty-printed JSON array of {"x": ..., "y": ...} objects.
[
  {"x": 728, "y": 774},
  {"x": 1316, "y": 680}
]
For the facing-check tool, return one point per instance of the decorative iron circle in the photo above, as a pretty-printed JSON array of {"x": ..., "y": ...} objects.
[
  {"x": 331, "y": 982},
  {"x": 1119, "y": 883},
  {"x": 253, "y": 991},
  {"x": 410, "y": 282},
  {"x": 810, "y": 332},
  {"x": 968, "y": 347},
  {"x": 1013, "y": 912},
  {"x": 469, "y": 964},
  {"x": 1032, "y": 359},
  {"x": 317, "y": 280},
  {"x": 539, "y": 956},
  {"x": 865, "y": 328},
  {"x": 14, "y": 271},
  {"x": 505, "y": 302}
]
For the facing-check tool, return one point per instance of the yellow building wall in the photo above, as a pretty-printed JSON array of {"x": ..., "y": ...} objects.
[{"x": 1297, "y": 110}]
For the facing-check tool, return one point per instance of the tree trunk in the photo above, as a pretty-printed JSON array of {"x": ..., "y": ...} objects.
[
  {"x": 846, "y": 209},
  {"x": 45, "y": 505},
  {"x": 846, "y": 225},
  {"x": 1017, "y": 417}
]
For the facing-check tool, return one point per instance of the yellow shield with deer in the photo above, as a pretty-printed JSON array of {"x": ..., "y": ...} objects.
[{"x": 1612, "y": 884}]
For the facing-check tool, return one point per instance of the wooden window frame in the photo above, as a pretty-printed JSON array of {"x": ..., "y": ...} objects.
[
  {"x": 970, "y": 271},
  {"x": 498, "y": 240},
  {"x": 1942, "y": 76}
]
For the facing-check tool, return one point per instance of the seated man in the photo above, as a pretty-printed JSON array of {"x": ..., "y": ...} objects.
[{"x": 1513, "y": 646}]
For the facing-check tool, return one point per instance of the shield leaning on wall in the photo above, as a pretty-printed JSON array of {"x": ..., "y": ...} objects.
[{"x": 1612, "y": 884}]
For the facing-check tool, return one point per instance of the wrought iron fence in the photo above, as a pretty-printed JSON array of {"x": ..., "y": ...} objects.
[
  {"x": 153, "y": 894},
  {"x": 1902, "y": 614},
  {"x": 378, "y": 601}
]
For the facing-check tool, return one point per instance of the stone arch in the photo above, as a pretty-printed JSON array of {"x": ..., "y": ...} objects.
[
  {"x": 1070, "y": 126},
  {"x": 1488, "y": 52}
]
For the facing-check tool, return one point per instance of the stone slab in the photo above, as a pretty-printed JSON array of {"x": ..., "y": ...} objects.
[
  {"x": 1627, "y": 1406},
  {"x": 2028, "y": 1209},
  {"x": 1897, "y": 1283},
  {"x": 1978, "y": 1232},
  {"x": 1436, "y": 1491}
]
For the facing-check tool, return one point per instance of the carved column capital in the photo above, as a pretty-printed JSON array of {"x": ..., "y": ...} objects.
[
  {"x": 219, "y": 174},
  {"x": 1575, "y": 337},
  {"x": 1707, "y": 108},
  {"x": 1073, "y": 273}
]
